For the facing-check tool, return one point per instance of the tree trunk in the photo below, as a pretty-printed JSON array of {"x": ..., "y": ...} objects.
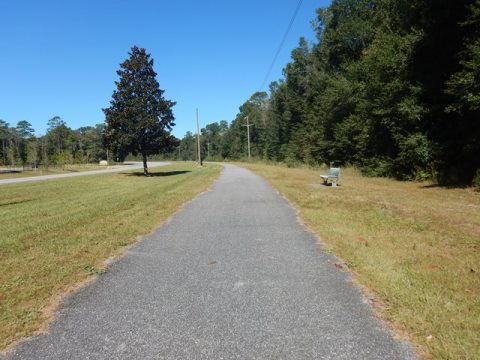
[{"x": 145, "y": 167}]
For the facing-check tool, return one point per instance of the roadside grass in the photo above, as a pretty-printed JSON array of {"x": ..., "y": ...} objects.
[
  {"x": 415, "y": 245},
  {"x": 55, "y": 234},
  {"x": 5, "y": 173}
]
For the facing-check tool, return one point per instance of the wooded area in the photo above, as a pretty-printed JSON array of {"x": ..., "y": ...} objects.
[
  {"x": 390, "y": 86},
  {"x": 59, "y": 146}
]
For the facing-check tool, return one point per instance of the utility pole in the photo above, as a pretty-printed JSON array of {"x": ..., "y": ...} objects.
[
  {"x": 248, "y": 136},
  {"x": 198, "y": 143}
]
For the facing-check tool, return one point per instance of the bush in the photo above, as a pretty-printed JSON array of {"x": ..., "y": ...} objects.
[
  {"x": 416, "y": 153},
  {"x": 377, "y": 167}
]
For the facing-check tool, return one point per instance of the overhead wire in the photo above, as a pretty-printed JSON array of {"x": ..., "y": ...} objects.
[{"x": 281, "y": 44}]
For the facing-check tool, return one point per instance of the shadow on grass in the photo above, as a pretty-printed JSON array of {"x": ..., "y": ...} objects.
[
  {"x": 10, "y": 172},
  {"x": 14, "y": 202},
  {"x": 433, "y": 186},
  {"x": 330, "y": 185},
  {"x": 159, "y": 173}
]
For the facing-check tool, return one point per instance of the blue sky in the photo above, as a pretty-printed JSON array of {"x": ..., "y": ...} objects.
[{"x": 60, "y": 57}]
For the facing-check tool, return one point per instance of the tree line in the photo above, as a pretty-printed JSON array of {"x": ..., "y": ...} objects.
[
  {"x": 389, "y": 86},
  {"x": 138, "y": 122},
  {"x": 59, "y": 146}
]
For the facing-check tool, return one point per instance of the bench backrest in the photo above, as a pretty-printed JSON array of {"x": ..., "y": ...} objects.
[{"x": 335, "y": 172}]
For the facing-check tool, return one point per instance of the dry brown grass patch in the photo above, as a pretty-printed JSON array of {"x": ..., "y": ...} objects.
[{"x": 415, "y": 245}]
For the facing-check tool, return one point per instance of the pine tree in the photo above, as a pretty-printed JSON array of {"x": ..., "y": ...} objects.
[{"x": 139, "y": 119}]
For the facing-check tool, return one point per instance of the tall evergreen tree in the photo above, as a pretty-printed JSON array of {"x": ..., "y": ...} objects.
[
  {"x": 57, "y": 132},
  {"x": 139, "y": 118},
  {"x": 25, "y": 129},
  {"x": 4, "y": 135},
  {"x": 463, "y": 88},
  {"x": 25, "y": 133}
]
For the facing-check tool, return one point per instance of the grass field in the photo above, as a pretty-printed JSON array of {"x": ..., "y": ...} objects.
[
  {"x": 55, "y": 234},
  {"x": 416, "y": 246}
]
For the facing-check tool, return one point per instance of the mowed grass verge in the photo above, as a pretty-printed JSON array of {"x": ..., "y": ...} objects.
[
  {"x": 55, "y": 234},
  {"x": 415, "y": 246}
]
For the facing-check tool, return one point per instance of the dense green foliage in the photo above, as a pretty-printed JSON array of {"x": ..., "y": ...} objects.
[
  {"x": 59, "y": 146},
  {"x": 390, "y": 86},
  {"x": 139, "y": 118}
]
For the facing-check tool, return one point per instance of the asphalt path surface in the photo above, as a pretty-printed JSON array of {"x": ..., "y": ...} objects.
[
  {"x": 233, "y": 275},
  {"x": 125, "y": 167}
]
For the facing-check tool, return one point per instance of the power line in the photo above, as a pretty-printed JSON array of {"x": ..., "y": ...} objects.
[{"x": 281, "y": 43}]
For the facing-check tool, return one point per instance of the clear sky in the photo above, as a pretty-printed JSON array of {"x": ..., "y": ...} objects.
[{"x": 60, "y": 57}]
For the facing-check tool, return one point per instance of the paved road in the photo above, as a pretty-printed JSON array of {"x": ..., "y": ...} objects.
[
  {"x": 231, "y": 276},
  {"x": 126, "y": 167}
]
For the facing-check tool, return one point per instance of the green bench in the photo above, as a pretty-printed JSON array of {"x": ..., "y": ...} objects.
[{"x": 333, "y": 176}]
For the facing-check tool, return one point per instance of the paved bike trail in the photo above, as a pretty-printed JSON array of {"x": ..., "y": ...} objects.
[{"x": 233, "y": 275}]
